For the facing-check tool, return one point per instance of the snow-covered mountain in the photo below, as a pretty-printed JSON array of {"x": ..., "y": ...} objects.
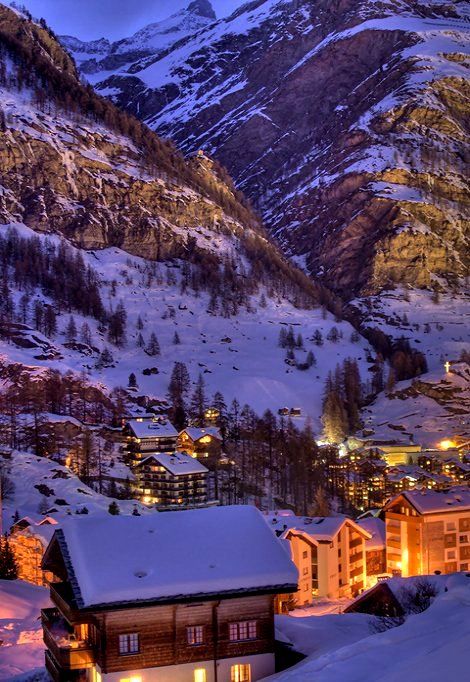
[
  {"x": 168, "y": 240},
  {"x": 345, "y": 122},
  {"x": 98, "y": 58}
]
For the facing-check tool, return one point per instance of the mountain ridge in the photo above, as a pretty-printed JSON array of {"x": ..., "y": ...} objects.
[{"x": 343, "y": 122}]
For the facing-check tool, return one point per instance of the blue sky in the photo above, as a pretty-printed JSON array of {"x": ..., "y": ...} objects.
[{"x": 90, "y": 19}]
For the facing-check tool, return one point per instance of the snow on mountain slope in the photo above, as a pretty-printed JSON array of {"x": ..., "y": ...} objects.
[
  {"x": 430, "y": 409},
  {"x": 238, "y": 355},
  {"x": 99, "y": 58},
  {"x": 345, "y": 122},
  {"x": 428, "y": 647}
]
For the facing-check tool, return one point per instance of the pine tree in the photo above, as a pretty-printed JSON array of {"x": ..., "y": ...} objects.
[
  {"x": 299, "y": 342},
  {"x": 177, "y": 393},
  {"x": 140, "y": 324},
  {"x": 290, "y": 338},
  {"x": 140, "y": 340},
  {"x": 317, "y": 338},
  {"x": 282, "y": 337},
  {"x": 132, "y": 383},
  {"x": 321, "y": 503},
  {"x": 311, "y": 360},
  {"x": 153, "y": 347},
  {"x": 85, "y": 334},
  {"x": 113, "y": 508},
  {"x": 8, "y": 565},
  {"x": 176, "y": 339},
  {"x": 198, "y": 402},
  {"x": 71, "y": 330},
  {"x": 50, "y": 322},
  {"x": 334, "y": 417},
  {"x": 105, "y": 359},
  {"x": 333, "y": 335}
]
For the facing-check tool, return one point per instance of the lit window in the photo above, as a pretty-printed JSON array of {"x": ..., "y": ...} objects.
[
  {"x": 131, "y": 679},
  {"x": 200, "y": 675},
  {"x": 95, "y": 675},
  {"x": 195, "y": 634},
  {"x": 129, "y": 644},
  {"x": 245, "y": 629},
  {"x": 240, "y": 673}
]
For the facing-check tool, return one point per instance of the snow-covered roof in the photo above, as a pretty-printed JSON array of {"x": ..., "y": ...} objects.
[
  {"x": 435, "y": 501},
  {"x": 321, "y": 529},
  {"x": 376, "y": 529},
  {"x": 177, "y": 463},
  {"x": 152, "y": 428},
  {"x": 174, "y": 555},
  {"x": 196, "y": 433}
]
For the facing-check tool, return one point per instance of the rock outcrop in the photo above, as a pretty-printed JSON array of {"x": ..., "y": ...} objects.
[{"x": 345, "y": 121}]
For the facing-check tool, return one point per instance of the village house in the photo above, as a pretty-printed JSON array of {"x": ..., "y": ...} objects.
[
  {"x": 181, "y": 597},
  {"x": 329, "y": 552},
  {"x": 428, "y": 531},
  {"x": 392, "y": 451},
  {"x": 376, "y": 564},
  {"x": 203, "y": 443},
  {"x": 29, "y": 539},
  {"x": 145, "y": 436},
  {"x": 171, "y": 480}
]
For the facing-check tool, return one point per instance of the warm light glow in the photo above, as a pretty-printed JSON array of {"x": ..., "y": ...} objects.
[
  {"x": 200, "y": 675},
  {"x": 147, "y": 499},
  {"x": 447, "y": 366},
  {"x": 205, "y": 439},
  {"x": 131, "y": 679},
  {"x": 446, "y": 444}
]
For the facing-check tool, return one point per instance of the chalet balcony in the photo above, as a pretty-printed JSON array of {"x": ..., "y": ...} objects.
[
  {"x": 68, "y": 652},
  {"x": 354, "y": 558},
  {"x": 355, "y": 543}
]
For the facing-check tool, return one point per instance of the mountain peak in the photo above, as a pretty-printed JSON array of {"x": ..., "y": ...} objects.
[{"x": 203, "y": 8}]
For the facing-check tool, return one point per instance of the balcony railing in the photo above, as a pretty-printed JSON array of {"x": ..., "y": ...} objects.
[{"x": 67, "y": 651}]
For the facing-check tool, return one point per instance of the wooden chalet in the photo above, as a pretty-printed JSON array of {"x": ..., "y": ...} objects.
[
  {"x": 201, "y": 442},
  {"x": 178, "y": 597}
]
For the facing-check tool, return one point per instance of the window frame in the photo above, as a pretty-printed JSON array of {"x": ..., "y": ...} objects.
[
  {"x": 240, "y": 672},
  {"x": 195, "y": 630},
  {"x": 237, "y": 628},
  {"x": 128, "y": 637}
]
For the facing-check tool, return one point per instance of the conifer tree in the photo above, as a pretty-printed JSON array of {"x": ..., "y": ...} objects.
[
  {"x": 8, "y": 565},
  {"x": 132, "y": 382},
  {"x": 153, "y": 347},
  {"x": 198, "y": 402},
  {"x": 176, "y": 339},
  {"x": 71, "y": 330},
  {"x": 113, "y": 508}
]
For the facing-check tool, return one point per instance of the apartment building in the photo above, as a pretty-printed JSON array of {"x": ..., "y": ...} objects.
[{"x": 428, "y": 531}]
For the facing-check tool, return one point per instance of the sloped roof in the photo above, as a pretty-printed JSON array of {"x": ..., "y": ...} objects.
[
  {"x": 177, "y": 463},
  {"x": 150, "y": 428},
  {"x": 321, "y": 528},
  {"x": 435, "y": 501},
  {"x": 173, "y": 556},
  {"x": 196, "y": 433},
  {"x": 376, "y": 528}
]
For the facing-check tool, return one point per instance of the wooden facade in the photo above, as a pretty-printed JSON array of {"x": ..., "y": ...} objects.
[{"x": 81, "y": 641}]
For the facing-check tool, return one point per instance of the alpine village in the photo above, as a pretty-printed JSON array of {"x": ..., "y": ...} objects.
[{"x": 234, "y": 341}]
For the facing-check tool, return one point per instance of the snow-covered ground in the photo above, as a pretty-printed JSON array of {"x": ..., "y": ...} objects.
[
  {"x": 22, "y": 648},
  {"x": 28, "y": 472},
  {"x": 441, "y": 330},
  {"x": 429, "y": 647}
]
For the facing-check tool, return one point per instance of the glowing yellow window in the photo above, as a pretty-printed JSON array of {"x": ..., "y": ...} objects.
[
  {"x": 200, "y": 675},
  {"x": 131, "y": 679},
  {"x": 240, "y": 673}
]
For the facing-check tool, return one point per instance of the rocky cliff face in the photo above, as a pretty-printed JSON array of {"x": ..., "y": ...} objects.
[
  {"x": 62, "y": 170},
  {"x": 345, "y": 121}
]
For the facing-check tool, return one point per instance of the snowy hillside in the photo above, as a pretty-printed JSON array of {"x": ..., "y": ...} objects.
[
  {"x": 41, "y": 481},
  {"x": 237, "y": 355}
]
